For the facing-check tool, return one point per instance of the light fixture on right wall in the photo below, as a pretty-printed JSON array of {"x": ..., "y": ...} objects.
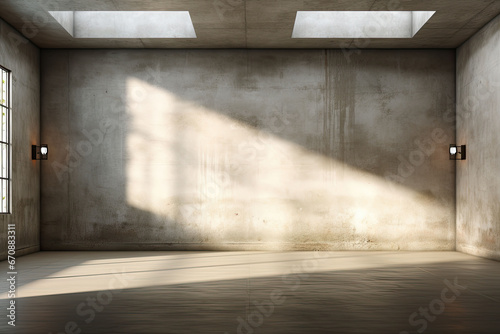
[{"x": 457, "y": 152}]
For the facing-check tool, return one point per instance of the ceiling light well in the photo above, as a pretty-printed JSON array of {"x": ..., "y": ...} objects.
[
  {"x": 126, "y": 24},
  {"x": 359, "y": 24}
]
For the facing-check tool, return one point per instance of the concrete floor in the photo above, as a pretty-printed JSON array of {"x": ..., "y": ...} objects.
[{"x": 254, "y": 292}]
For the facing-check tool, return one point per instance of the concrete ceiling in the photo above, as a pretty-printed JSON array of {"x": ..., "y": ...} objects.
[{"x": 251, "y": 23}]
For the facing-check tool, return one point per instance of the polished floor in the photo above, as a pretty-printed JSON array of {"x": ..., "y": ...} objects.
[{"x": 253, "y": 292}]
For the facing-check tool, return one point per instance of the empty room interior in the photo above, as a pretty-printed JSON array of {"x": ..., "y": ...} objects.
[{"x": 250, "y": 166}]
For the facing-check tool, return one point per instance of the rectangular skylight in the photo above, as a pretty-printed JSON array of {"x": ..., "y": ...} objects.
[
  {"x": 359, "y": 24},
  {"x": 126, "y": 24}
]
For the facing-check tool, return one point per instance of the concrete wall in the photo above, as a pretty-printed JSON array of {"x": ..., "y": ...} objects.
[
  {"x": 478, "y": 126},
  {"x": 23, "y": 59},
  {"x": 248, "y": 149}
]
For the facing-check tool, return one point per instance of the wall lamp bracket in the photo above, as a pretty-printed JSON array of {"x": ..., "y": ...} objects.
[
  {"x": 40, "y": 152},
  {"x": 457, "y": 152}
]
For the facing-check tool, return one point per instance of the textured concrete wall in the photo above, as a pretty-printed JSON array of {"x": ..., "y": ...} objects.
[
  {"x": 478, "y": 125},
  {"x": 23, "y": 59},
  {"x": 240, "y": 149}
]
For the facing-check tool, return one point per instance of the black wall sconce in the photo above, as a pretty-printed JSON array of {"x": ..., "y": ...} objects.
[
  {"x": 457, "y": 152},
  {"x": 40, "y": 152}
]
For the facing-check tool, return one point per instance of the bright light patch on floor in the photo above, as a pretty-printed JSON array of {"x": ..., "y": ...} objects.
[
  {"x": 126, "y": 24},
  {"x": 82, "y": 272},
  {"x": 359, "y": 24}
]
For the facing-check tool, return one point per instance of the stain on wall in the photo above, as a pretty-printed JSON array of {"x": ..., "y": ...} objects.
[{"x": 248, "y": 149}]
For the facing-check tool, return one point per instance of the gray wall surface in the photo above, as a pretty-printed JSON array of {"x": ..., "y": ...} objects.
[
  {"x": 248, "y": 149},
  {"x": 23, "y": 59},
  {"x": 478, "y": 126}
]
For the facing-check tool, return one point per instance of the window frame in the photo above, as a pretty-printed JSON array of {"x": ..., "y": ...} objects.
[{"x": 8, "y": 107}]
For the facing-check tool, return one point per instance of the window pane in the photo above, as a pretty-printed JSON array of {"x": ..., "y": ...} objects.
[
  {"x": 4, "y": 165},
  {"x": 3, "y": 196},
  {"x": 3, "y": 129},
  {"x": 3, "y": 90}
]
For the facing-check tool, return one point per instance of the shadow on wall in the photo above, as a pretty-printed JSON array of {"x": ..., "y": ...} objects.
[{"x": 256, "y": 150}]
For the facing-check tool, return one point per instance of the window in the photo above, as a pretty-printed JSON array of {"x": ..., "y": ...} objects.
[{"x": 5, "y": 145}]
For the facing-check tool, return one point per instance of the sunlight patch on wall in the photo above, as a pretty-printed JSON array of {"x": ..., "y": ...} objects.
[{"x": 230, "y": 181}]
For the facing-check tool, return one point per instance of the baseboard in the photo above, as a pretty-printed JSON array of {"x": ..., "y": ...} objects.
[
  {"x": 480, "y": 252},
  {"x": 22, "y": 251},
  {"x": 240, "y": 246}
]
